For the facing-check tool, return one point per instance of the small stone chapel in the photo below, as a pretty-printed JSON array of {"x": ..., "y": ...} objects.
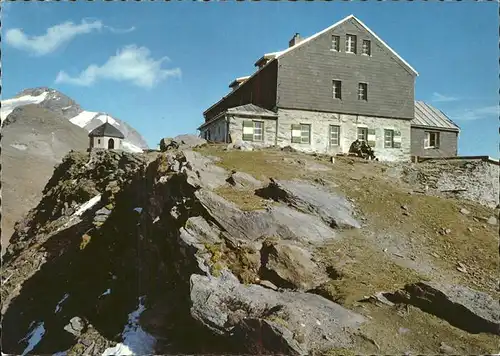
[{"x": 106, "y": 136}]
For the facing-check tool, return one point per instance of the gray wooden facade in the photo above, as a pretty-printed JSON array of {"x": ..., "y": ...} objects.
[{"x": 305, "y": 77}]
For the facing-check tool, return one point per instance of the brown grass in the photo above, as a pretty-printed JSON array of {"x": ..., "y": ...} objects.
[
  {"x": 246, "y": 199},
  {"x": 422, "y": 333},
  {"x": 364, "y": 270},
  {"x": 382, "y": 203}
]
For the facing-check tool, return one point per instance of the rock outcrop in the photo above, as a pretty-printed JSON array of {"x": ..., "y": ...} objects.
[
  {"x": 114, "y": 228},
  {"x": 333, "y": 209},
  {"x": 475, "y": 180},
  {"x": 143, "y": 254},
  {"x": 181, "y": 142},
  {"x": 461, "y": 306},
  {"x": 290, "y": 323}
]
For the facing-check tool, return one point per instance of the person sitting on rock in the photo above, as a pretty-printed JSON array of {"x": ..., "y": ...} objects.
[
  {"x": 367, "y": 151},
  {"x": 356, "y": 148}
]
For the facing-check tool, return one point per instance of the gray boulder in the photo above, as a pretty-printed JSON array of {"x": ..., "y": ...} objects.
[
  {"x": 189, "y": 141},
  {"x": 333, "y": 209},
  {"x": 492, "y": 220},
  {"x": 241, "y": 145},
  {"x": 466, "y": 308},
  {"x": 167, "y": 144},
  {"x": 287, "y": 322},
  {"x": 75, "y": 326},
  {"x": 292, "y": 264},
  {"x": 253, "y": 226},
  {"x": 242, "y": 180},
  {"x": 201, "y": 171}
]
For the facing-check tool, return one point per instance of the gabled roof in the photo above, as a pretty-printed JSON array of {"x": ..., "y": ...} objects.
[
  {"x": 251, "y": 109},
  {"x": 244, "y": 110},
  {"x": 106, "y": 129},
  {"x": 310, "y": 38},
  {"x": 427, "y": 116}
]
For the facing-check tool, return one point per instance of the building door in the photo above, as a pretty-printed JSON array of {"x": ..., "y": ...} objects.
[{"x": 111, "y": 143}]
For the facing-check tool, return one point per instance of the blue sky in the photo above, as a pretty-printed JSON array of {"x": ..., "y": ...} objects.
[{"x": 159, "y": 65}]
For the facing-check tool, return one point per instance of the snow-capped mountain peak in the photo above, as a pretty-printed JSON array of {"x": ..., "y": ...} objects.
[
  {"x": 10, "y": 104},
  {"x": 65, "y": 107}
]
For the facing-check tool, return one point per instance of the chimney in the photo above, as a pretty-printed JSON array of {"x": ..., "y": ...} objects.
[{"x": 295, "y": 40}]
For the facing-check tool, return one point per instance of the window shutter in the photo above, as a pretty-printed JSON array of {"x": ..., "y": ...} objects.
[
  {"x": 247, "y": 130},
  {"x": 397, "y": 139},
  {"x": 296, "y": 133},
  {"x": 371, "y": 138}
]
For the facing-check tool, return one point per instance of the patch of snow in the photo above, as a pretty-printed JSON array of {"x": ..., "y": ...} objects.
[
  {"x": 139, "y": 210},
  {"x": 58, "y": 306},
  {"x": 105, "y": 117},
  {"x": 127, "y": 146},
  {"x": 66, "y": 107},
  {"x": 106, "y": 292},
  {"x": 10, "y": 104},
  {"x": 119, "y": 349},
  {"x": 86, "y": 206},
  {"x": 19, "y": 146},
  {"x": 34, "y": 336},
  {"x": 135, "y": 340},
  {"x": 61, "y": 353},
  {"x": 83, "y": 118}
]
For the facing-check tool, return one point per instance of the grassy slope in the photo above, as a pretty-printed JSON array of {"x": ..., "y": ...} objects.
[{"x": 392, "y": 248}]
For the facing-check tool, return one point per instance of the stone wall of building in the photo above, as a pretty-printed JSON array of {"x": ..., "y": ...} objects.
[
  {"x": 216, "y": 131},
  {"x": 102, "y": 142},
  {"x": 320, "y": 130},
  {"x": 236, "y": 130},
  {"x": 478, "y": 177}
]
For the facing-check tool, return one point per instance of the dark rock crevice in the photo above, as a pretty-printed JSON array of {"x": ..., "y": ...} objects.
[{"x": 464, "y": 308}]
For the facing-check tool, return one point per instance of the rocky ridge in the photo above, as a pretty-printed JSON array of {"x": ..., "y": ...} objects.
[
  {"x": 142, "y": 246},
  {"x": 39, "y": 127}
]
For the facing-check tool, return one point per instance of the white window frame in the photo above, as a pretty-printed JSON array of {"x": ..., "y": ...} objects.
[
  {"x": 337, "y": 89},
  {"x": 363, "y": 91},
  {"x": 350, "y": 44},
  {"x": 258, "y": 137},
  {"x": 388, "y": 139},
  {"x": 334, "y": 135},
  {"x": 427, "y": 139},
  {"x": 362, "y": 133},
  {"x": 335, "y": 43},
  {"x": 305, "y": 128},
  {"x": 365, "y": 52}
]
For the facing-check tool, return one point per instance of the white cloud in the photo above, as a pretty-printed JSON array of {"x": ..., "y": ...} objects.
[
  {"x": 477, "y": 113},
  {"x": 55, "y": 36},
  {"x": 131, "y": 64},
  {"x": 120, "y": 31},
  {"x": 440, "y": 98}
]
